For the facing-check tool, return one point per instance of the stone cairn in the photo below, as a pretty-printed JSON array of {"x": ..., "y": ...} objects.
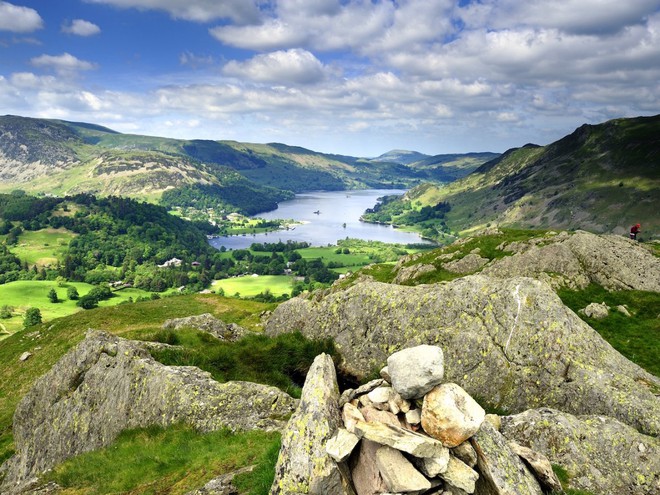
[{"x": 410, "y": 433}]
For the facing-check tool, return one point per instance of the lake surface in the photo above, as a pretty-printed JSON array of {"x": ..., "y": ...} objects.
[{"x": 334, "y": 209}]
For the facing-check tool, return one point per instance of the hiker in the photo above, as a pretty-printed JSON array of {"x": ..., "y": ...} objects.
[{"x": 634, "y": 230}]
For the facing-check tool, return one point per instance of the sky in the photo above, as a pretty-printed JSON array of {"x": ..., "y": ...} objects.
[{"x": 353, "y": 77}]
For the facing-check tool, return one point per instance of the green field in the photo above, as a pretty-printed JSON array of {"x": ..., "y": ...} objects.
[
  {"x": 42, "y": 247},
  {"x": 24, "y": 294},
  {"x": 249, "y": 285}
]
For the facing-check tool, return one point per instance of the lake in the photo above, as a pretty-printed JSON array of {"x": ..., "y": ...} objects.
[{"x": 334, "y": 209}]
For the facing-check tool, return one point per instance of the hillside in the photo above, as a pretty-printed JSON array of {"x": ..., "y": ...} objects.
[
  {"x": 60, "y": 158},
  {"x": 601, "y": 178}
]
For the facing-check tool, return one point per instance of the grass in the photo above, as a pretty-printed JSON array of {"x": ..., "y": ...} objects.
[
  {"x": 282, "y": 361},
  {"x": 564, "y": 479},
  {"x": 23, "y": 294},
  {"x": 170, "y": 461},
  {"x": 48, "y": 342},
  {"x": 636, "y": 337},
  {"x": 248, "y": 285},
  {"x": 42, "y": 247}
]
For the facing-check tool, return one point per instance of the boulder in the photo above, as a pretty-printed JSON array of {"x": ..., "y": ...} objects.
[
  {"x": 210, "y": 324},
  {"x": 222, "y": 485},
  {"x": 398, "y": 473},
  {"x": 597, "y": 311},
  {"x": 539, "y": 465},
  {"x": 601, "y": 455},
  {"x": 459, "y": 475},
  {"x": 107, "y": 384},
  {"x": 451, "y": 415},
  {"x": 303, "y": 465},
  {"x": 416, "y": 370},
  {"x": 367, "y": 479},
  {"x": 468, "y": 264},
  {"x": 502, "y": 471},
  {"x": 510, "y": 342},
  {"x": 399, "y": 438}
]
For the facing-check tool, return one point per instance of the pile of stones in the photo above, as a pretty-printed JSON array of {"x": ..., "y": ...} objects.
[{"x": 409, "y": 432}]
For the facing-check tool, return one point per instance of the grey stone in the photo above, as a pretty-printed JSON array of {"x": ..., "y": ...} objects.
[
  {"x": 416, "y": 370},
  {"x": 25, "y": 356},
  {"x": 597, "y": 311},
  {"x": 350, "y": 416},
  {"x": 222, "y": 485},
  {"x": 341, "y": 445},
  {"x": 107, "y": 384},
  {"x": 381, "y": 394},
  {"x": 460, "y": 475},
  {"x": 451, "y": 415},
  {"x": 399, "y": 438},
  {"x": 502, "y": 471},
  {"x": 303, "y": 465},
  {"x": 539, "y": 465},
  {"x": 398, "y": 473},
  {"x": 414, "y": 416},
  {"x": 511, "y": 342},
  {"x": 600, "y": 454},
  {"x": 468, "y": 264},
  {"x": 367, "y": 479},
  {"x": 433, "y": 466},
  {"x": 210, "y": 324},
  {"x": 466, "y": 453},
  {"x": 623, "y": 310},
  {"x": 372, "y": 414}
]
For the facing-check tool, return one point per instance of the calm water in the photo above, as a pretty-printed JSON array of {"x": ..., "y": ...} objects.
[{"x": 335, "y": 208}]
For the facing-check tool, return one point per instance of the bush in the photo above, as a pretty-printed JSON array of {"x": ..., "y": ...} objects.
[
  {"x": 52, "y": 296},
  {"x": 32, "y": 317},
  {"x": 72, "y": 293},
  {"x": 6, "y": 312}
]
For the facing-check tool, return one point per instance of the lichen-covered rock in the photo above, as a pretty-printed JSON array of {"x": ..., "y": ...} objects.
[
  {"x": 510, "y": 342},
  {"x": 577, "y": 260},
  {"x": 468, "y": 264},
  {"x": 501, "y": 470},
  {"x": 210, "y": 324},
  {"x": 412, "y": 272},
  {"x": 451, "y": 415},
  {"x": 600, "y": 454},
  {"x": 303, "y": 465},
  {"x": 416, "y": 370},
  {"x": 539, "y": 465},
  {"x": 107, "y": 384},
  {"x": 597, "y": 311}
]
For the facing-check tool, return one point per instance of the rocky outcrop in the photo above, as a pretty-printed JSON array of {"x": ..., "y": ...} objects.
[
  {"x": 510, "y": 342},
  {"x": 600, "y": 454},
  {"x": 107, "y": 384},
  {"x": 577, "y": 260},
  {"x": 210, "y": 324}
]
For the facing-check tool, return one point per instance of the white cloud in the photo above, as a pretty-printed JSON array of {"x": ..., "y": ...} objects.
[
  {"x": 195, "y": 61},
  {"x": 242, "y": 11},
  {"x": 81, "y": 27},
  {"x": 19, "y": 19},
  {"x": 284, "y": 67},
  {"x": 65, "y": 63}
]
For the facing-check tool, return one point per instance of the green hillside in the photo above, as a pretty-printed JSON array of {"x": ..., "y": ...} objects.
[{"x": 601, "y": 178}]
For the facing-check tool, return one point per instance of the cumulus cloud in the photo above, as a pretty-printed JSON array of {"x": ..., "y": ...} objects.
[
  {"x": 65, "y": 63},
  {"x": 19, "y": 19},
  {"x": 241, "y": 11},
  {"x": 281, "y": 67},
  {"x": 81, "y": 27}
]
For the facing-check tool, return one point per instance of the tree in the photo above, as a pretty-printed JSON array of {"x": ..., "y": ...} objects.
[
  {"x": 72, "y": 293},
  {"x": 52, "y": 296},
  {"x": 32, "y": 317},
  {"x": 6, "y": 312}
]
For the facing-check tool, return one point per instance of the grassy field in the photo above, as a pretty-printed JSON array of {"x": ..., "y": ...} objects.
[
  {"x": 249, "y": 285},
  {"x": 24, "y": 294},
  {"x": 42, "y": 247}
]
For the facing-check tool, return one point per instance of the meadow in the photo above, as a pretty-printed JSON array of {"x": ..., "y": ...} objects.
[
  {"x": 249, "y": 285},
  {"x": 42, "y": 247}
]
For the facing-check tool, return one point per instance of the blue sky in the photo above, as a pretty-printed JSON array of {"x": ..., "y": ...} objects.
[{"x": 356, "y": 77}]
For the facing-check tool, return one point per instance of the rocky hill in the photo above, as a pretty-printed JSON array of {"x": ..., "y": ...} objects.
[
  {"x": 59, "y": 157},
  {"x": 601, "y": 178}
]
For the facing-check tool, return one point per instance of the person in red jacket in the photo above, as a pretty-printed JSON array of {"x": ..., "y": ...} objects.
[{"x": 634, "y": 230}]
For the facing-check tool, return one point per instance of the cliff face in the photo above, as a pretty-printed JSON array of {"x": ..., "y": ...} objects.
[
  {"x": 107, "y": 384},
  {"x": 509, "y": 341}
]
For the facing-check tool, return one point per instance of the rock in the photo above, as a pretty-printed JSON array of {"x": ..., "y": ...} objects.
[
  {"x": 107, "y": 384},
  {"x": 502, "y": 471},
  {"x": 349, "y": 394},
  {"x": 401, "y": 439},
  {"x": 460, "y": 475},
  {"x": 416, "y": 370},
  {"x": 25, "y": 356},
  {"x": 623, "y": 310},
  {"x": 597, "y": 311},
  {"x": 367, "y": 479},
  {"x": 582, "y": 258},
  {"x": 350, "y": 416},
  {"x": 341, "y": 445},
  {"x": 222, "y": 485},
  {"x": 381, "y": 394},
  {"x": 494, "y": 420},
  {"x": 385, "y": 374},
  {"x": 407, "y": 273},
  {"x": 540, "y": 467},
  {"x": 600, "y": 454},
  {"x": 398, "y": 473},
  {"x": 511, "y": 342},
  {"x": 414, "y": 416},
  {"x": 468, "y": 264},
  {"x": 372, "y": 414},
  {"x": 466, "y": 453},
  {"x": 303, "y": 465},
  {"x": 210, "y": 324},
  {"x": 451, "y": 415},
  {"x": 433, "y": 466}
]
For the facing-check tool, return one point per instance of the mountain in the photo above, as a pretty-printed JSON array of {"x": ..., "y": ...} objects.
[
  {"x": 601, "y": 178},
  {"x": 59, "y": 157},
  {"x": 404, "y": 157}
]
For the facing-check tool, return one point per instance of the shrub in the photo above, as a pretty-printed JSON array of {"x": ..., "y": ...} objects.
[{"x": 32, "y": 317}]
